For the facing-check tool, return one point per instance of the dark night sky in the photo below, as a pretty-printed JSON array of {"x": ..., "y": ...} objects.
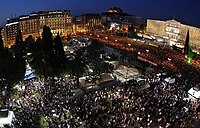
[{"x": 185, "y": 11}]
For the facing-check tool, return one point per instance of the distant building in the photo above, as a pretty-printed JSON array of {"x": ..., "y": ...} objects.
[
  {"x": 174, "y": 31},
  {"x": 116, "y": 10},
  {"x": 10, "y": 31},
  {"x": 2, "y": 33},
  {"x": 87, "y": 22},
  {"x": 59, "y": 22},
  {"x": 117, "y": 16},
  {"x": 29, "y": 25}
]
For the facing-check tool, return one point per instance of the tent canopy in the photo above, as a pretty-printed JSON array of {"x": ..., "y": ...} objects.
[
  {"x": 6, "y": 117},
  {"x": 170, "y": 80}
]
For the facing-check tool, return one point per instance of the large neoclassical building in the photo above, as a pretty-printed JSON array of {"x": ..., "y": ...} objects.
[
  {"x": 174, "y": 31},
  {"x": 59, "y": 22}
]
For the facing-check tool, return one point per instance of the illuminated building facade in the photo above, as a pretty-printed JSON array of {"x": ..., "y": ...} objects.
[
  {"x": 88, "y": 22},
  {"x": 59, "y": 22},
  {"x": 29, "y": 25},
  {"x": 10, "y": 31},
  {"x": 174, "y": 31},
  {"x": 2, "y": 33}
]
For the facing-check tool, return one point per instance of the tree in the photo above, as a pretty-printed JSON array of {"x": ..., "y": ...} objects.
[
  {"x": 142, "y": 28},
  {"x": 59, "y": 50},
  {"x": 47, "y": 38},
  {"x": 2, "y": 57},
  {"x": 19, "y": 53},
  {"x": 78, "y": 64},
  {"x": 48, "y": 50},
  {"x": 29, "y": 43},
  {"x": 37, "y": 55},
  {"x": 131, "y": 32},
  {"x": 1, "y": 44},
  {"x": 95, "y": 45},
  {"x": 44, "y": 58},
  {"x": 187, "y": 46},
  {"x": 7, "y": 67},
  {"x": 75, "y": 65}
]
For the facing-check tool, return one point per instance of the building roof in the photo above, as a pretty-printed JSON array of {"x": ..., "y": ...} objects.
[
  {"x": 50, "y": 12},
  {"x": 173, "y": 21},
  {"x": 13, "y": 23}
]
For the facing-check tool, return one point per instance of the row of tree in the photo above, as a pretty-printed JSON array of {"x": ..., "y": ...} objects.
[{"x": 46, "y": 56}]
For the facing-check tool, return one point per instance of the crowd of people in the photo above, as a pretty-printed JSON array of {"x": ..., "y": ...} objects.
[
  {"x": 51, "y": 102},
  {"x": 121, "y": 105},
  {"x": 124, "y": 105},
  {"x": 38, "y": 99}
]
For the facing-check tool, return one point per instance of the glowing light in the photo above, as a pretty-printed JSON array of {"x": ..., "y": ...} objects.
[{"x": 189, "y": 60}]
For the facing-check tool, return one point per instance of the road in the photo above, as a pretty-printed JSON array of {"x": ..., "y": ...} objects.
[{"x": 165, "y": 58}]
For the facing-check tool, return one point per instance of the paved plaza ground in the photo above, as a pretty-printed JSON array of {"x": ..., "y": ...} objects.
[{"x": 125, "y": 73}]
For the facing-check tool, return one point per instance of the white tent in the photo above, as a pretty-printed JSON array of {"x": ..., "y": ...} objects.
[
  {"x": 170, "y": 80},
  {"x": 194, "y": 92},
  {"x": 82, "y": 80},
  {"x": 138, "y": 79},
  {"x": 8, "y": 119}
]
